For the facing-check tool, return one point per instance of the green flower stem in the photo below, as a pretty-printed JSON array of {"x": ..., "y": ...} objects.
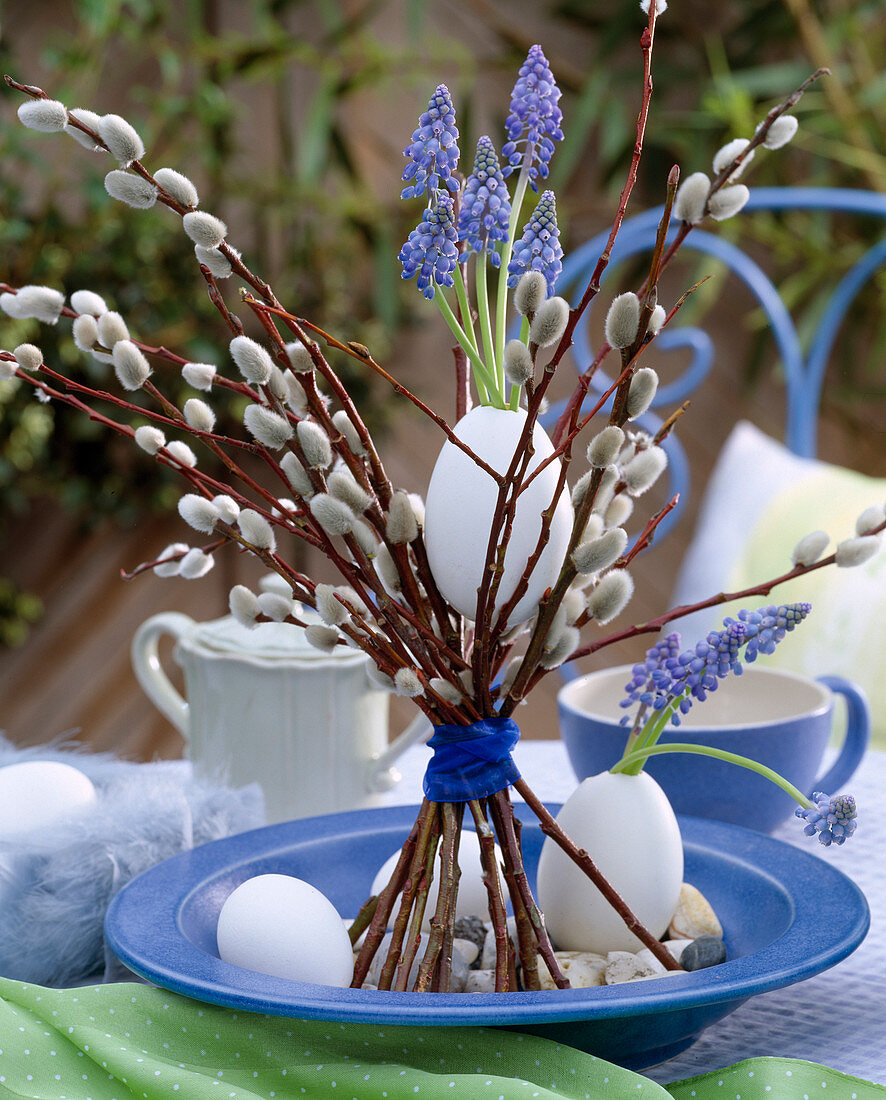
[
  {"x": 641, "y": 755},
  {"x": 502, "y": 302},
  {"x": 495, "y": 364},
  {"x": 648, "y": 735},
  {"x": 481, "y": 374}
]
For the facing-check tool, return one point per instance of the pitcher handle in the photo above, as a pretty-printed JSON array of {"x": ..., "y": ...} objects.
[
  {"x": 381, "y": 776},
  {"x": 149, "y": 671},
  {"x": 858, "y": 732}
]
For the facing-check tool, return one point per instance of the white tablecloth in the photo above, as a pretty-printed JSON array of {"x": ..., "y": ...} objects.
[{"x": 837, "y": 1018}]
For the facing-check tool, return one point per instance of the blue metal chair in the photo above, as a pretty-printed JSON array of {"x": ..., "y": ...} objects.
[{"x": 804, "y": 374}]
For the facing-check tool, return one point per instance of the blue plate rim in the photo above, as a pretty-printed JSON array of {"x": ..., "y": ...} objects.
[{"x": 142, "y": 928}]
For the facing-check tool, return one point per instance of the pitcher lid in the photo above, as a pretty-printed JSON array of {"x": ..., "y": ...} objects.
[{"x": 267, "y": 641}]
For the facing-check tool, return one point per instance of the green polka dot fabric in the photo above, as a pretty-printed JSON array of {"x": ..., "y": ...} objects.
[{"x": 114, "y": 1042}]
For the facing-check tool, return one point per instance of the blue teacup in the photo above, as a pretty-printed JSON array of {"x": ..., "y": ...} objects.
[{"x": 775, "y": 717}]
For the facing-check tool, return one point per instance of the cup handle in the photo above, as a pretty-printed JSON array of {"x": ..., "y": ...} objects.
[
  {"x": 858, "y": 733},
  {"x": 149, "y": 671},
  {"x": 381, "y": 776}
]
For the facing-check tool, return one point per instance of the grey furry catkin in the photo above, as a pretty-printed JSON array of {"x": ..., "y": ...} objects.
[
  {"x": 267, "y": 427},
  {"x": 641, "y": 392},
  {"x": 88, "y": 118},
  {"x": 810, "y": 548},
  {"x": 314, "y": 444},
  {"x": 199, "y": 415},
  {"x": 530, "y": 291},
  {"x": 149, "y": 438},
  {"x": 256, "y": 530},
  {"x": 299, "y": 357},
  {"x": 228, "y": 509},
  {"x": 87, "y": 301},
  {"x": 343, "y": 486},
  {"x": 780, "y": 132},
  {"x": 121, "y": 138},
  {"x": 853, "y": 552},
  {"x": 130, "y": 366},
  {"x": 623, "y": 320},
  {"x": 334, "y": 516},
  {"x": 351, "y": 436},
  {"x": 599, "y": 553},
  {"x": 692, "y": 198},
  {"x": 275, "y": 606},
  {"x": 252, "y": 360},
  {"x": 204, "y": 229},
  {"x": 197, "y": 512},
  {"x": 243, "y": 605},
  {"x": 549, "y": 322},
  {"x": 643, "y": 470},
  {"x": 296, "y": 475},
  {"x": 28, "y": 356},
  {"x": 408, "y": 683},
  {"x": 112, "y": 328},
  {"x": 46, "y": 115},
  {"x": 195, "y": 564},
  {"x": 605, "y": 446},
  {"x": 727, "y": 202},
  {"x": 177, "y": 186},
  {"x": 330, "y": 610},
  {"x": 131, "y": 189},
  {"x": 727, "y": 153},
  {"x": 611, "y": 596},
  {"x": 199, "y": 375},
  {"x": 219, "y": 265},
  {"x": 519, "y": 367},
  {"x": 402, "y": 526},
  {"x": 181, "y": 452}
]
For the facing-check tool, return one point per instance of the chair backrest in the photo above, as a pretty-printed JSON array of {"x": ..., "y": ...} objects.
[{"x": 803, "y": 373}]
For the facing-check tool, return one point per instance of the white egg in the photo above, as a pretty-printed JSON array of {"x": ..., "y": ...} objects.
[
  {"x": 283, "y": 926},
  {"x": 472, "y": 901},
  {"x": 627, "y": 826},
  {"x": 37, "y": 793},
  {"x": 460, "y": 504}
]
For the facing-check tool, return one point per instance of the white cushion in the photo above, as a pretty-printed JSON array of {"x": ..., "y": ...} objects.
[{"x": 760, "y": 500}]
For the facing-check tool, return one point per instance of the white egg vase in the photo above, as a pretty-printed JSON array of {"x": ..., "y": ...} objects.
[
  {"x": 460, "y": 504},
  {"x": 627, "y": 826}
]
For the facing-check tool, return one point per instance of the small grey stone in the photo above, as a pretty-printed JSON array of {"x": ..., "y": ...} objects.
[
  {"x": 487, "y": 955},
  {"x": 623, "y": 966},
  {"x": 480, "y": 981},
  {"x": 703, "y": 952},
  {"x": 473, "y": 929},
  {"x": 467, "y": 949},
  {"x": 459, "y": 966}
]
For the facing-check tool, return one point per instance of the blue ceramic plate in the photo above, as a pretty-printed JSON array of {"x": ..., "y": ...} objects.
[{"x": 786, "y": 913}]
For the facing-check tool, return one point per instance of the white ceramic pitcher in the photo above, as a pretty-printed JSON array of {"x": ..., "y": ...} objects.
[{"x": 263, "y": 705}]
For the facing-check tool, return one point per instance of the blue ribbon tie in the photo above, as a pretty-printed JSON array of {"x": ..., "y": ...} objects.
[{"x": 471, "y": 761}]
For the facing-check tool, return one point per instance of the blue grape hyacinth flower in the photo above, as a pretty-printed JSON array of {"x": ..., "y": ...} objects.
[
  {"x": 668, "y": 675},
  {"x": 485, "y": 210},
  {"x": 834, "y": 819},
  {"x": 539, "y": 248},
  {"x": 534, "y": 119},
  {"x": 430, "y": 251},
  {"x": 433, "y": 151}
]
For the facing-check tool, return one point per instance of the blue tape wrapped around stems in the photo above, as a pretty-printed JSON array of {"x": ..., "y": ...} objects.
[{"x": 471, "y": 761}]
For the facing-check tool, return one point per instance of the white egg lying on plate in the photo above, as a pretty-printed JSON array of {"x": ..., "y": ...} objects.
[
  {"x": 473, "y": 901},
  {"x": 37, "y": 793},
  {"x": 283, "y": 926}
]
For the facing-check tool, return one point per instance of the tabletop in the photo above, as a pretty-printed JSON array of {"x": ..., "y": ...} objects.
[{"x": 837, "y": 1018}]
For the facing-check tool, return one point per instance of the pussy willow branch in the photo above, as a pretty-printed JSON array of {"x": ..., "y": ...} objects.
[
  {"x": 683, "y": 231},
  {"x": 652, "y": 626}
]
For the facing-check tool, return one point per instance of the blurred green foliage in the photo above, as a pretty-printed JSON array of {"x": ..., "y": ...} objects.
[{"x": 334, "y": 88}]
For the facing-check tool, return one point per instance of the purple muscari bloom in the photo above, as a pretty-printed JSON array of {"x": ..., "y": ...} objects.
[
  {"x": 539, "y": 247},
  {"x": 485, "y": 206},
  {"x": 668, "y": 674},
  {"x": 430, "y": 250},
  {"x": 534, "y": 121},
  {"x": 433, "y": 152},
  {"x": 832, "y": 818}
]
